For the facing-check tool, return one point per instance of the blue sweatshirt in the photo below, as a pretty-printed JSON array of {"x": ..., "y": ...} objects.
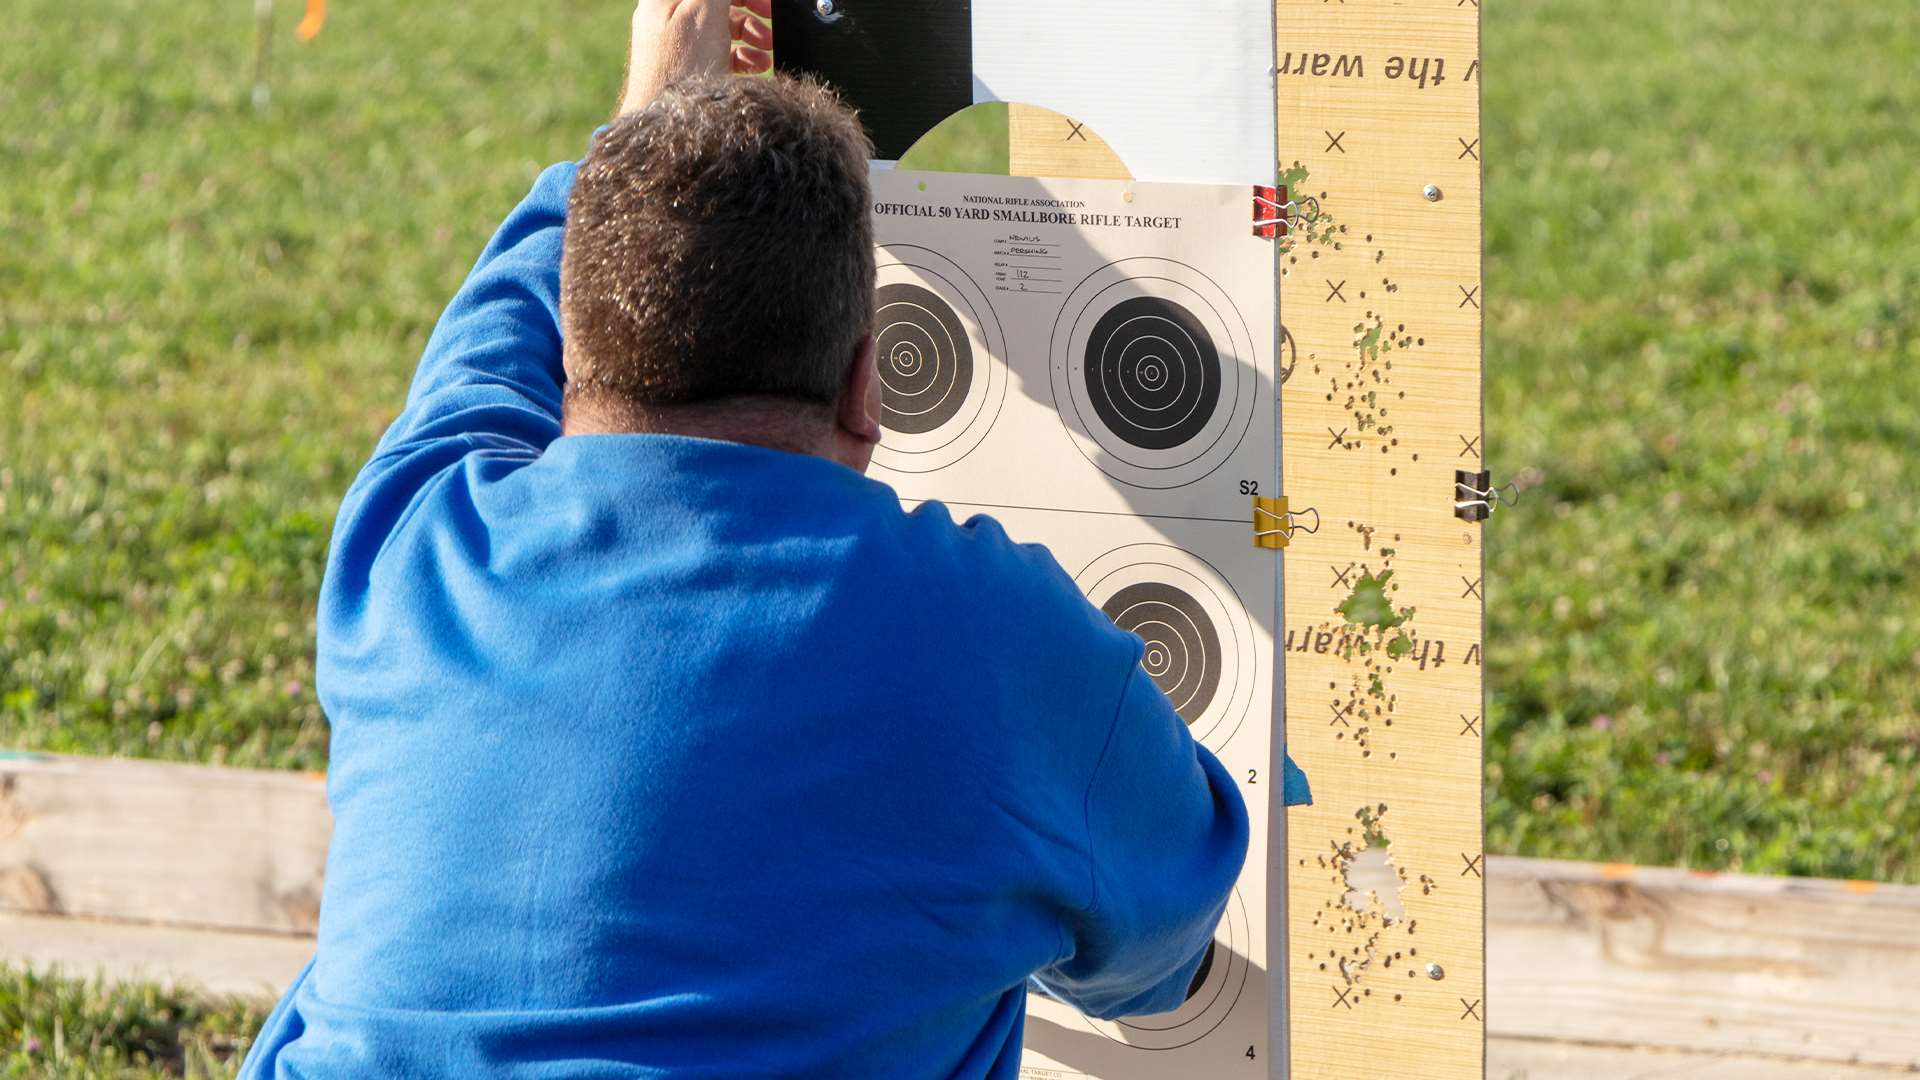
[{"x": 656, "y": 756}]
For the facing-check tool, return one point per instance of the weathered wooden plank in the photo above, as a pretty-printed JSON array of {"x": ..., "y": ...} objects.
[
  {"x": 183, "y": 844},
  {"x": 1788, "y": 967},
  {"x": 1620, "y": 956},
  {"x": 1379, "y": 120},
  {"x": 1530, "y": 1059},
  {"x": 252, "y": 965}
]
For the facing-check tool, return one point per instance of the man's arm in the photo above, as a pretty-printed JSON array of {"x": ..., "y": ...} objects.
[
  {"x": 1167, "y": 834},
  {"x": 490, "y": 379},
  {"x": 492, "y": 376}
]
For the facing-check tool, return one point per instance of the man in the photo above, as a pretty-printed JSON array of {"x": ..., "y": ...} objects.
[{"x": 664, "y": 743}]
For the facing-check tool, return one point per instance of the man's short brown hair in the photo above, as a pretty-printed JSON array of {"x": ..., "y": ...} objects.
[{"x": 718, "y": 245}]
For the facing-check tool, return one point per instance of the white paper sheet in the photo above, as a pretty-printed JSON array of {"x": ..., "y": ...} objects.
[{"x": 1181, "y": 91}]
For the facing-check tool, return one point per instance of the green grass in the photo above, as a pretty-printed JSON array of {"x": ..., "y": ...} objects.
[
  {"x": 1703, "y": 362},
  {"x": 55, "y": 1028},
  {"x": 207, "y": 316},
  {"x": 1703, "y": 305}
]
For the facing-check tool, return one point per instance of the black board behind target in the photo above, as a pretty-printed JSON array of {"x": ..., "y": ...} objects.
[{"x": 904, "y": 65}]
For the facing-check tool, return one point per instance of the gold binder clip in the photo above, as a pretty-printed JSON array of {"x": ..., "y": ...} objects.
[{"x": 1274, "y": 524}]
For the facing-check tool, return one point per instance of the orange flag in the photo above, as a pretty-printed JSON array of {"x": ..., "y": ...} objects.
[{"x": 316, "y": 18}]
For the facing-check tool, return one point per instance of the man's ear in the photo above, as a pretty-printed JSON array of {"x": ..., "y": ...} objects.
[{"x": 858, "y": 411}]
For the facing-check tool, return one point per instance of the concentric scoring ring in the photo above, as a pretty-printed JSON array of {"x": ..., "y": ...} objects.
[
  {"x": 1155, "y": 372},
  {"x": 1183, "y": 648},
  {"x": 941, "y": 358},
  {"x": 1199, "y": 641},
  {"x": 1211, "y": 996},
  {"x": 925, "y": 359},
  {"x": 1152, "y": 373}
]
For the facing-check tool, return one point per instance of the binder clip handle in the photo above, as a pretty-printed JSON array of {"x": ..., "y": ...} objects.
[
  {"x": 1275, "y": 524},
  {"x": 1475, "y": 498},
  {"x": 1275, "y": 214}
]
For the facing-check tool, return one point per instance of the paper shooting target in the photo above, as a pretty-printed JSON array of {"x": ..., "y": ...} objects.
[
  {"x": 941, "y": 358},
  {"x": 1199, "y": 643},
  {"x": 1215, "y": 990},
  {"x": 1153, "y": 372}
]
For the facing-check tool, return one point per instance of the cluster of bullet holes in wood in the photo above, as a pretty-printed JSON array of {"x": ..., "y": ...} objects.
[{"x": 1367, "y": 914}]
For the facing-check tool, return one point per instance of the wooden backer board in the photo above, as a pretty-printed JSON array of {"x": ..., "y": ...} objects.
[
  {"x": 1042, "y": 142},
  {"x": 1377, "y": 100}
]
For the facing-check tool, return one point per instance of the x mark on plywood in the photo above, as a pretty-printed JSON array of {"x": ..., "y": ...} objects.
[
  {"x": 1340, "y": 997},
  {"x": 1472, "y": 149},
  {"x": 1473, "y": 725},
  {"x": 1339, "y": 438},
  {"x": 1334, "y": 292},
  {"x": 1333, "y": 141},
  {"x": 1473, "y": 864},
  {"x": 1470, "y": 294},
  {"x": 1473, "y": 446},
  {"x": 1077, "y": 132},
  {"x": 1339, "y": 714},
  {"x": 1473, "y": 1009},
  {"x": 1341, "y": 577},
  {"x": 1473, "y": 589}
]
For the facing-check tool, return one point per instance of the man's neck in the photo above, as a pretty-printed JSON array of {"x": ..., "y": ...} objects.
[{"x": 795, "y": 427}]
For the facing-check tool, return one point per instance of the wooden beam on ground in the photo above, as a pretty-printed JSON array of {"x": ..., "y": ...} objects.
[
  {"x": 1781, "y": 967},
  {"x": 182, "y": 844},
  {"x": 259, "y": 966},
  {"x": 1533, "y": 1059},
  {"x": 1591, "y": 968}
]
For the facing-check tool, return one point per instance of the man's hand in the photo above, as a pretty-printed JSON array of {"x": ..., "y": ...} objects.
[{"x": 677, "y": 39}]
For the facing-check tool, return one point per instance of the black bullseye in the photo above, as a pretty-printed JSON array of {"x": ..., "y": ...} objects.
[
  {"x": 925, "y": 360},
  {"x": 1183, "y": 648},
  {"x": 1152, "y": 373}
]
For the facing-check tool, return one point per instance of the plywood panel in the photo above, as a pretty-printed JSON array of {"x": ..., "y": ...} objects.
[
  {"x": 1042, "y": 142},
  {"x": 1378, "y": 101}
]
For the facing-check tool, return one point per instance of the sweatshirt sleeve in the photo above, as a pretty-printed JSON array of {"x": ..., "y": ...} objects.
[
  {"x": 491, "y": 375},
  {"x": 1167, "y": 834},
  {"x": 490, "y": 380}
]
